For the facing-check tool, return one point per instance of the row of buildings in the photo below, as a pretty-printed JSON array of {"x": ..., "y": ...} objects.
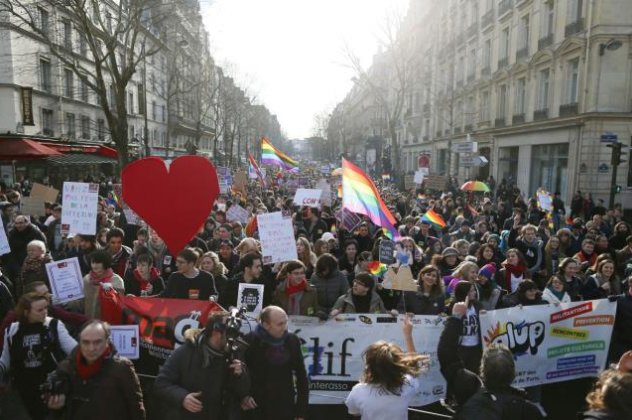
[
  {"x": 538, "y": 84},
  {"x": 62, "y": 114}
]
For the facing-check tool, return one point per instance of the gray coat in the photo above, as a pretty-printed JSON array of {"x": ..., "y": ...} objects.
[{"x": 329, "y": 289}]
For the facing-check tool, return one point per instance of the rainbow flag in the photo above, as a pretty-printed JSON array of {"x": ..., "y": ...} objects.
[
  {"x": 434, "y": 219},
  {"x": 255, "y": 167},
  {"x": 270, "y": 155},
  {"x": 360, "y": 195},
  {"x": 377, "y": 269}
]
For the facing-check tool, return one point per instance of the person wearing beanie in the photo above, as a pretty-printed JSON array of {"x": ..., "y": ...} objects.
[
  {"x": 360, "y": 298},
  {"x": 489, "y": 294},
  {"x": 447, "y": 261}
]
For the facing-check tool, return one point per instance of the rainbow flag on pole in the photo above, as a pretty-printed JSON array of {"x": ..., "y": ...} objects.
[
  {"x": 270, "y": 155},
  {"x": 434, "y": 219},
  {"x": 255, "y": 168},
  {"x": 360, "y": 195}
]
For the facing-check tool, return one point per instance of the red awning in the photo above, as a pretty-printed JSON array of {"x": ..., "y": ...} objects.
[
  {"x": 84, "y": 148},
  {"x": 15, "y": 149},
  {"x": 108, "y": 152}
]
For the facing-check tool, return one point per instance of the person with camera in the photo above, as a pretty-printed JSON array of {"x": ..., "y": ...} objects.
[
  {"x": 33, "y": 345},
  {"x": 94, "y": 382},
  {"x": 205, "y": 378},
  {"x": 280, "y": 389}
]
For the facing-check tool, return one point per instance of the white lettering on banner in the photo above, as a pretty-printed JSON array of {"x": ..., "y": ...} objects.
[
  {"x": 553, "y": 343},
  {"x": 277, "y": 238},
  {"x": 79, "y": 211},
  {"x": 333, "y": 352}
]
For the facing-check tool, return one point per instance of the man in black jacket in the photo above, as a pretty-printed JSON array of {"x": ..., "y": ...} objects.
[
  {"x": 198, "y": 381},
  {"x": 490, "y": 397},
  {"x": 189, "y": 282}
]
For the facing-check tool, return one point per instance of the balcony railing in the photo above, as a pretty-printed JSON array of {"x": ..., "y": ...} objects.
[
  {"x": 522, "y": 52},
  {"x": 540, "y": 114},
  {"x": 503, "y": 62},
  {"x": 568, "y": 110},
  {"x": 500, "y": 122},
  {"x": 517, "y": 119},
  {"x": 504, "y": 6},
  {"x": 487, "y": 18},
  {"x": 574, "y": 27},
  {"x": 545, "y": 42}
]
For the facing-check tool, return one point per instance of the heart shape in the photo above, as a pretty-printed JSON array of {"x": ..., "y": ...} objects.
[{"x": 176, "y": 200}]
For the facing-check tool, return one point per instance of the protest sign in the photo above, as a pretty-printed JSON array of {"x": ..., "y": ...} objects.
[
  {"x": 333, "y": 352},
  {"x": 46, "y": 193},
  {"x": 126, "y": 340},
  {"x": 250, "y": 295},
  {"x": 435, "y": 182},
  {"x": 409, "y": 182},
  {"x": 131, "y": 217},
  {"x": 326, "y": 197},
  {"x": 387, "y": 251},
  {"x": 4, "y": 242},
  {"x": 291, "y": 185},
  {"x": 33, "y": 206},
  {"x": 419, "y": 177},
  {"x": 303, "y": 182},
  {"x": 307, "y": 197},
  {"x": 402, "y": 279},
  {"x": 79, "y": 212},
  {"x": 553, "y": 343},
  {"x": 240, "y": 181},
  {"x": 237, "y": 213},
  {"x": 544, "y": 200},
  {"x": 66, "y": 282},
  {"x": 347, "y": 219},
  {"x": 277, "y": 238}
]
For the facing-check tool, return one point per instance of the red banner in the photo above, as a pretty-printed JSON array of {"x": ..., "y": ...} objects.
[{"x": 162, "y": 323}]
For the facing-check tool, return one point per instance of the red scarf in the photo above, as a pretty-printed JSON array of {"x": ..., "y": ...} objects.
[
  {"x": 87, "y": 371},
  {"x": 144, "y": 284},
  {"x": 290, "y": 289},
  {"x": 106, "y": 278},
  {"x": 516, "y": 270}
]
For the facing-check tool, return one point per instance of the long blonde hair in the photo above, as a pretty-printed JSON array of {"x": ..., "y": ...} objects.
[{"x": 386, "y": 364}]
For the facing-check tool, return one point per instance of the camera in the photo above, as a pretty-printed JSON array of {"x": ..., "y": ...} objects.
[
  {"x": 234, "y": 338},
  {"x": 54, "y": 384}
]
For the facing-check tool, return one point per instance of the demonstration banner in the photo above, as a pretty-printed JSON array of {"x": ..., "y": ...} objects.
[
  {"x": 553, "y": 343},
  {"x": 79, "y": 211}
]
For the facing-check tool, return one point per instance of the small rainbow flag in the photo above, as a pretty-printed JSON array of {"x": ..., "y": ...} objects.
[
  {"x": 377, "y": 269},
  {"x": 270, "y": 155},
  {"x": 434, "y": 219},
  {"x": 360, "y": 195}
]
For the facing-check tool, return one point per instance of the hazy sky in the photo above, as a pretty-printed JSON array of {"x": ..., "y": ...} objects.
[{"x": 288, "y": 54}]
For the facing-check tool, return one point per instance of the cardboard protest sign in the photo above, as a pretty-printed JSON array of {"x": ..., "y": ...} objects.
[
  {"x": 400, "y": 279},
  {"x": 553, "y": 343},
  {"x": 33, "y": 206},
  {"x": 191, "y": 184},
  {"x": 46, "y": 193},
  {"x": 79, "y": 212},
  {"x": 4, "y": 242},
  {"x": 435, "y": 182},
  {"x": 240, "y": 181},
  {"x": 237, "y": 213},
  {"x": 307, "y": 197},
  {"x": 277, "y": 238},
  {"x": 251, "y": 296}
]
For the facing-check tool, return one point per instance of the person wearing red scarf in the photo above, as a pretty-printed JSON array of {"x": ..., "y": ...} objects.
[
  {"x": 294, "y": 294},
  {"x": 100, "y": 385},
  {"x": 514, "y": 270},
  {"x": 145, "y": 279},
  {"x": 99, "y": 280}
]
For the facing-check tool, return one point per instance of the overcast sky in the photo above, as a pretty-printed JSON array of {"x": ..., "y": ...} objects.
[{"x": 288, "y": 54}]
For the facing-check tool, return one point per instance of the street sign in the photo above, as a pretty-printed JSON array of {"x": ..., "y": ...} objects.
[
  {"x": 468, "y": 161},
  {"x": 468, "y": 147},
  {"x": 609, "y": 137}
]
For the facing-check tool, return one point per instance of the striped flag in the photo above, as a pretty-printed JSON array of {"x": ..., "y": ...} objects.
[
  {"x": 255, "y": 167},
  {"x": 270, "y": 155}
]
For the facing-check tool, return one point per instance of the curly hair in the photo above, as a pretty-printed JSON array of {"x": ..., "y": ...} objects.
[
  {"x": 219, "y": 269},
  {"x": 612, "y": 393},
  {"x": 386, "y": 364}
]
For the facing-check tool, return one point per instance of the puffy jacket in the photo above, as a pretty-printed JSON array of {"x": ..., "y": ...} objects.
[
  {"x": 346, "y": 306},
  {"x": 329, "y": 289}
]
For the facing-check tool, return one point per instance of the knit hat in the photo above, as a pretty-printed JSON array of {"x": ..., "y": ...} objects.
[
  {"x": 494, "y": 237},
  {"x": 488, "y": 271},
  {"x": 366, "y": 279},
  {"x": 327, "y": 236},
  {"x": 450, "y": 251}
]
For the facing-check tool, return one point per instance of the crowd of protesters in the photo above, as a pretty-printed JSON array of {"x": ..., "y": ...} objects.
[{"x": 498, "y": 250}]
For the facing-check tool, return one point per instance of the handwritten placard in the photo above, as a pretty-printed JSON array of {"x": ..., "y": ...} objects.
[
  {"x": 277, "y": 238},
  {"x": 79, "y": 212},
  {"x": 308, "y": 197}
]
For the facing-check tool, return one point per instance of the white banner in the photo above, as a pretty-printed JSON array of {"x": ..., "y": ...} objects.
[
  {"x": 333, "y": 352},
  {"x": 79, "y": 210},
  {"x": 553, "y": 343},
  {"x": 308, "y": 197},
  {"x": 277, "y": 238}
]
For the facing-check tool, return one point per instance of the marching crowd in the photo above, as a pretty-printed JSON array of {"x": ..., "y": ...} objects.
[{"x": 497, "y": 250}]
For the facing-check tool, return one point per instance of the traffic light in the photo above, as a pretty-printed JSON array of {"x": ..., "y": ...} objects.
[{"x": 617, "y": 154}]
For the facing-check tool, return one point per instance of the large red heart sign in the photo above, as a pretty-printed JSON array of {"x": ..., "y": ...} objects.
[{"x": 174, "y": 200}]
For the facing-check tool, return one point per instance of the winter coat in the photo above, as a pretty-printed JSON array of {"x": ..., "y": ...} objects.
[
  {"x": 91, "y": 301},
  {"x": 329, "y": 289},
  {"x": 420, "y": 304},
  {"x": 600, "y": 415},
  {"x": 533, "y": 251},
  {"x": 228, "y": 297},
  {"x": 548, "y": 295},
  {"x": 309, "y": 299},
  {"x": 113, "y": 393},
  {"x": 592, "y": 289},
  {"x": 346, "y": 306},
  {"x": 190, "y": 369}
]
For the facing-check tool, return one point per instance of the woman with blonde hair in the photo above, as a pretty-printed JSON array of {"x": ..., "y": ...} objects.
[
  {"x": 210, "y": 263},
  {"x": 247, "y": 245},
  {"x": 389, "y": 380},
  {"x": 306, "y": 255},
  {"x": 467, "y": 271}
]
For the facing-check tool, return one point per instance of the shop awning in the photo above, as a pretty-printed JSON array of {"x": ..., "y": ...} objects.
[
  {"x": 16, "y": 149},
  {"x": 84, "y": 148},
  {"x": 79, "y": 159}
]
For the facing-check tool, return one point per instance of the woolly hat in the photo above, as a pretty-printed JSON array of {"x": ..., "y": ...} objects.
[
  {"x": 366, "y": 279},
  {"x": 450, "y": 251},
  {"x": 488, "y": 270},
  {"x": 327, "y": 236}
]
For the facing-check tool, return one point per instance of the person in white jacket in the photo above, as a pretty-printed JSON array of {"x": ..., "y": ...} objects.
[
  {"x": 33, "y": 346},
  {"x": 555, "y": 291}
]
